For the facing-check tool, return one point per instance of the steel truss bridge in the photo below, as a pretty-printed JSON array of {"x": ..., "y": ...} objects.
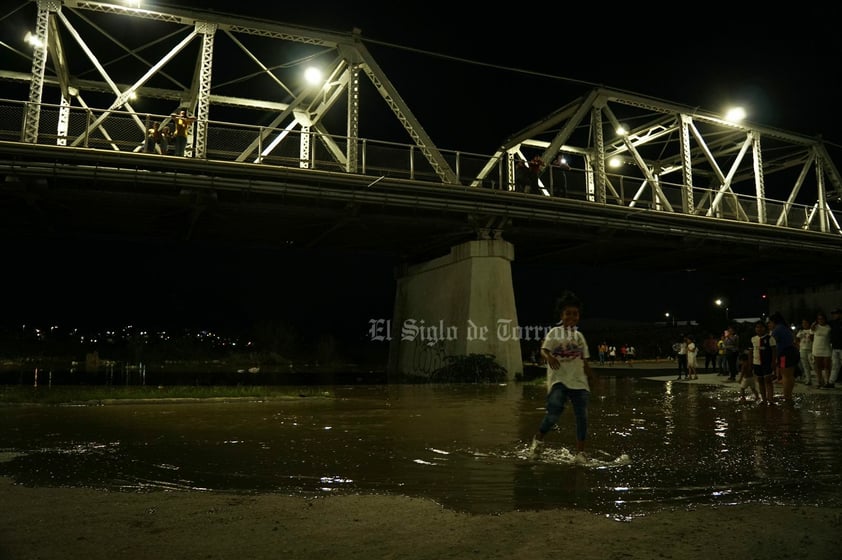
[{"x": 270, "y": 159}]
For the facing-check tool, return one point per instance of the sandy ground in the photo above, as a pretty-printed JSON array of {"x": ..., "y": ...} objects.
[{"x": 68, "y": 523}]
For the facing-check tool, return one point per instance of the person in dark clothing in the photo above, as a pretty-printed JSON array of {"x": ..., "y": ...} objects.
[
  {"x": 561, "y": 164},
  {"x": 710, "y": 350},
  {"x": 152, "y": 134},
  {"x": 762, "y": 362},
  {"x": 836, "y": 346},
  {"x": 732, "y": 352},
  {"x": 182, "y": 131},
  {"x": 784, "y": 353},
  {"x": 521, "y": 176},
  {"x": 535, "y": 166}
]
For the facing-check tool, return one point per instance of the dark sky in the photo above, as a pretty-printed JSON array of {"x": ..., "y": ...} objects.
[{"x": 471, "y": 79}]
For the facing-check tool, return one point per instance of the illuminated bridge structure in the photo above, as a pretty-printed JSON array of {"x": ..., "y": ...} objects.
[{"x": 346, "y": 164}]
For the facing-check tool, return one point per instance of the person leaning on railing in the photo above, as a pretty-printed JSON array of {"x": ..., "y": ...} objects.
[
  {"x": 152, "y": 134},
  {"x": 182, "y": 129},
  {"x": 164, "y": 138}
]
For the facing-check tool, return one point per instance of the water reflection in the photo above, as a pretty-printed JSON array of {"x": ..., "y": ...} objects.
[{"x": 463, "y": 446}]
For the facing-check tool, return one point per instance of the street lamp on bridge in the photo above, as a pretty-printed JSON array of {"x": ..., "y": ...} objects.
[{"x": 722, "y": 303}]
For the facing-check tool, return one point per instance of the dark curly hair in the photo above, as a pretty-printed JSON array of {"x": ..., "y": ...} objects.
[{"x": 567, "y": 299}]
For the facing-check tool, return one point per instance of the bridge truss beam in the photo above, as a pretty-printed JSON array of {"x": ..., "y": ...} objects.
[
  {"x": 679, "y": 159},
  {"x": 249, "y": 43}
]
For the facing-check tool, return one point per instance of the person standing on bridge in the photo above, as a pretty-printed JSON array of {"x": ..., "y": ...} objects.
[
  {"x": 152, "y": 134},
  {"x": 536, "y": 164},
  {"x": 569, "y": 375},
  {"x": 182, "y": 131},
  {"x": 561, "y": 163},
  {"x": 521, "y": 176},
  {"x": 164, "y": 139}
]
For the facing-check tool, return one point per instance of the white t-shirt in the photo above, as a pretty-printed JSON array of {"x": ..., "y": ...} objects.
[
  {"x": 570, "y": 348},
  {"x": 821, "y": 341},
  {"x": 756, "y": 358},
  {"x": 805, "y": 340},
  {"x": 691, "y": 353}
]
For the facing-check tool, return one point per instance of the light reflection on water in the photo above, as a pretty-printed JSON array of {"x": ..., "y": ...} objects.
[{"x": 463, "y": 446}]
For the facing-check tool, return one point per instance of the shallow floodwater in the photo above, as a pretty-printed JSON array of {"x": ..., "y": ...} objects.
[{"x": 656, "y": 445}]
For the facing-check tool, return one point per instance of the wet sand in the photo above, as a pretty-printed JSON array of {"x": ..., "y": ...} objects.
[{"x": 68, "y": 523}]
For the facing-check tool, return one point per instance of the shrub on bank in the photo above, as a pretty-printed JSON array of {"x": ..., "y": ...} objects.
[{"x": 472, "y": 368}]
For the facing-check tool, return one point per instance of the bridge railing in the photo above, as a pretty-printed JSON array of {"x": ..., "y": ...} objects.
[
  {"x": 225, "y": 141},
  {"x": 634, "y": 192}
]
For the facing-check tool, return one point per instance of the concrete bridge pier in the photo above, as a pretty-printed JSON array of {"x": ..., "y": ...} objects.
[{"x": 459, "y": 304}]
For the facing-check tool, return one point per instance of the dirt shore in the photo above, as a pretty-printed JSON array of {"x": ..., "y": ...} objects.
[{"x": 69, "y": 523}]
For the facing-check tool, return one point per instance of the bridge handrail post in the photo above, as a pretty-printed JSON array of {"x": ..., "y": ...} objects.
[
  {"x": 457, "y": 164},
  {"x": 412, "y": 162},
  {"x": 260, "y": 132},
  {"x": 363, "y": 159},
  {"x": 23, "y": 120},
  {"x": 89, "y": 117}
]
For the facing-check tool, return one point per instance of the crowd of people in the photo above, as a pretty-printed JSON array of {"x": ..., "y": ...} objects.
[
  {"x": 777, "y": 354},
  {"x": 527, "y": 175},
  {"x": 159, "y": 136},
  {"x": 609, "y": 354}
]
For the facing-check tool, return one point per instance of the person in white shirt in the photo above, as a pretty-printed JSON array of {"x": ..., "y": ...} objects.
[
  {"x": 804, "y": 341},
  {"x": 692, "y": 352},
  {"x": 568, "y": 375},
  {"x": 821, "y": 350}
]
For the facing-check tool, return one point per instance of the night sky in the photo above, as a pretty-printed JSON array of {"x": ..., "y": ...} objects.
[{"x": 471, "y": 82}]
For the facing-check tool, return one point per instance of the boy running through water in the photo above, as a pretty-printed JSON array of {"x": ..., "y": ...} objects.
[{"x": 568, "y": 373}]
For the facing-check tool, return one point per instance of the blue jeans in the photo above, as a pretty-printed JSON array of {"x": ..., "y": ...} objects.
[{"x": 555, "y": 406}]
